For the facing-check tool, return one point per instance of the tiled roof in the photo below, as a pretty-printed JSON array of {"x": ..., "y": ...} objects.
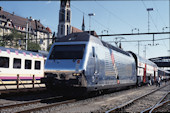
[
  {"x": 20, "y": 21},
  {"x": 48, "y": 29},
  {"x": 76, "y": 30}
]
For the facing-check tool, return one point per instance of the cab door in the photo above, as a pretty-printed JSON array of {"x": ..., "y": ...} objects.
[{"x": 96, "y": 65}]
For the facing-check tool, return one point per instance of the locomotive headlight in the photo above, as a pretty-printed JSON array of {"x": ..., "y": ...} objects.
[{"x": 76, "y": 74}]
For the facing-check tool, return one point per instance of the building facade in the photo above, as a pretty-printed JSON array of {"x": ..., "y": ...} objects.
[{"x": 28, "y": 27}]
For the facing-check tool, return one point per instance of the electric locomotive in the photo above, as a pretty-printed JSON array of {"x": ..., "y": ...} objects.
[{"x": 84, "y": 61}]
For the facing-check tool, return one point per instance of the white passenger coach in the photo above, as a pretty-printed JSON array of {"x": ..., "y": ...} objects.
[{"x": 20, "y": 65}]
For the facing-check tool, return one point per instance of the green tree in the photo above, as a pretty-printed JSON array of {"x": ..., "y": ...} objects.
[
  {"x": 13, "y": 38},
  {"x": 33, "y": 46},
  {"x": 2, "y": 44}
]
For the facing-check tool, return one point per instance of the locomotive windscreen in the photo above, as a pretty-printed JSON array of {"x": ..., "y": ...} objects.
[{"x": 67, "y": 51}]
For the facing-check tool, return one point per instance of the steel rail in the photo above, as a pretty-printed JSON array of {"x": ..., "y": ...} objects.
[
  {"x": 150, "y": 109},
  {"x": 161, "y": 104},
  {"x": 47, "y": 106},
  {"x": 28, "y": 102},
  {"x": 118, "y": 108},
  {"x": 21, "y": 90}
]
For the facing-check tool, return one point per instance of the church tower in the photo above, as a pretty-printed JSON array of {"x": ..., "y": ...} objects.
[
  {"x": 64, "y": 26},
  {"x": 83, "y": 25}
]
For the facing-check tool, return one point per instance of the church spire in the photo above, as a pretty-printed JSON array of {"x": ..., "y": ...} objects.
[{"x": 83, "y": 25}]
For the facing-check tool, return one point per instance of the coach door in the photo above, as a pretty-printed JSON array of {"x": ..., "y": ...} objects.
[
  {"x": 144, "y": 75},
  {"x": 154, "y": 75}
]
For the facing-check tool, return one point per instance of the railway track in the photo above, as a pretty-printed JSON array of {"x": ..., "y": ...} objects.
[
  {"x": 26, "y": 90},
  {"x": 145, "y": 103},
  {"x": 46, "y": 106},
  {"x": 164, "y": 100},
  {"x": 24, "y": 107}
]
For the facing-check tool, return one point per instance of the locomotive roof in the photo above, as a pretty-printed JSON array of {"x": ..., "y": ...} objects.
[
  {"x": 75, "y": 37},
  {"x": 19, "y": 51},
  {"x": 84, "y": 36}
]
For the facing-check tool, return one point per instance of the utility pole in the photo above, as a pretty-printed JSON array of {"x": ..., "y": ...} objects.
[
  {"x": 138, "y": 47},
  {"x": 26, "y": 45},
  {"x": 29, "y": 32},
  {"x": 144, "y": 51},
  {"x": 118, "y": 40}
]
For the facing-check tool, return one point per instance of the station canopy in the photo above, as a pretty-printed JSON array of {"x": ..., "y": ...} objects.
[{"x": 162, "y": 61}]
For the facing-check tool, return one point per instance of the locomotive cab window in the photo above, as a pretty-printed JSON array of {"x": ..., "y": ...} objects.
[
  {"x": 68, "y": 51},
  {"x": 28, "y": 64},
  {"x": 37, "y": 65},
  {"x": 17, "y": 63},
  {"x": 4, "y": 62}
]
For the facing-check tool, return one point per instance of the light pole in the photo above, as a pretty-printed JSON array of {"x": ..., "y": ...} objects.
[
  {"x": 135, "y": 29},
  {"x": 90, "y": 14},
  {"x": 149, "y": 9},
  {"x": 164, "y": 28}
]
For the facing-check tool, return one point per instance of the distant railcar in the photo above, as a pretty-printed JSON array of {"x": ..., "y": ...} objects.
[
  {"x": 165, "y": 75},
  {"x": 81, "y": 60},
  {"x": 146, "y": 70},
  {"x": 19, "y": 63}
]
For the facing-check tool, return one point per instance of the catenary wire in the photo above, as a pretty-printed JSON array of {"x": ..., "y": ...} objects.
[
  {"x": 92, "y": 18},
  {"x": 114, "y": 15}
]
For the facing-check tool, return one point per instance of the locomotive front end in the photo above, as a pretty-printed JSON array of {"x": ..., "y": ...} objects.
[{"x": 65, "y": 66}]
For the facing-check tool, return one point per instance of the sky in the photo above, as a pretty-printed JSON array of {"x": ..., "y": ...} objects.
[{"x": 114, "y": 16}]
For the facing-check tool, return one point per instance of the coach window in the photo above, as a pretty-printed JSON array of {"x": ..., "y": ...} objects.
[
  {"x": 4, "y": 62},
  {"x": 27, "y": 64},
  {"x": 17, "y": 63},
  {"x": 37, "y": 65}
]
